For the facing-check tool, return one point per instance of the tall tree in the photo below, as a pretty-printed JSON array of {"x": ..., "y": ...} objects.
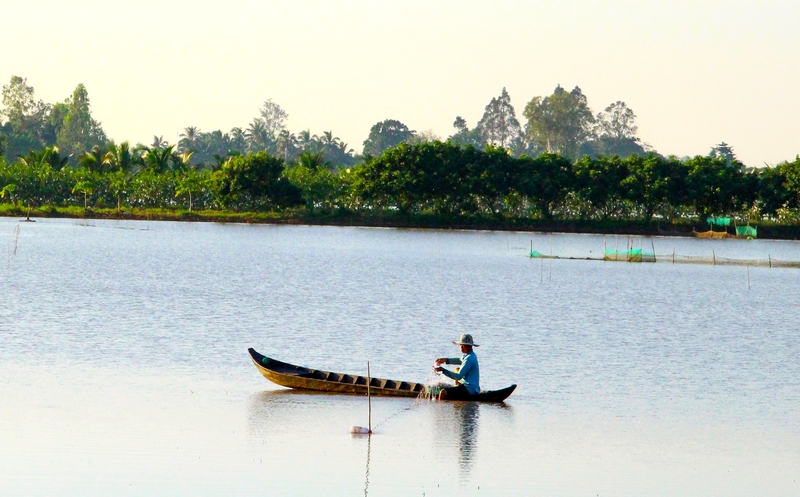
[
  {"x": 615, "y": 131},
  {"x": 287, "y": 144},
  {"x": 274, "y": 118},
  {"x": 723, "y": 151},
  {"x": 26, "y": 127},
  {"x": 499, "y": 125},
  {"x": 386, "y": 134},
  {"x": 560, "y": 122},
  {"x": 464, "y": 135},
  {"x": 80, "y": 131}
]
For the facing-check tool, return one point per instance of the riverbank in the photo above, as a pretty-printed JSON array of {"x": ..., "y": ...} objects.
[{"x": 766, "y": 230}]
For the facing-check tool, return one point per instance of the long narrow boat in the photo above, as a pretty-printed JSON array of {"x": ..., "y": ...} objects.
[{"x": 289, "y": 375}]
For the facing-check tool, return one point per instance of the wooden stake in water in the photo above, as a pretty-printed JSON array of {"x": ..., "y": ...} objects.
[
  {"x": 369, "y": 400},
  {"x": 748, "y": 277},
  {"x": 653, "y": 246}
]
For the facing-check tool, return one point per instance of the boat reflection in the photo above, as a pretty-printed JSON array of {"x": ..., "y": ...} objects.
[{"x": 457, "y": 426}]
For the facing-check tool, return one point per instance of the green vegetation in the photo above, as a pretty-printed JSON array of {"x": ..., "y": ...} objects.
[{"x": 563, "y": 168}]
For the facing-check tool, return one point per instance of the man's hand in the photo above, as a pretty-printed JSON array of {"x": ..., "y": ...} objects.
[
  {"x": 440, "y": 360},
  {"x": 438, "y": 370}
]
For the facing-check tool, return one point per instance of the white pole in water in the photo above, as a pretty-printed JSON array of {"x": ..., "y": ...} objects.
[
  {"x": 369, "y": 400},
  {"x": 748, "y": 277}
]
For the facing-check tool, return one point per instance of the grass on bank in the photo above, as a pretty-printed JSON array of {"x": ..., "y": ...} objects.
[{"x": 395, "y": 219}]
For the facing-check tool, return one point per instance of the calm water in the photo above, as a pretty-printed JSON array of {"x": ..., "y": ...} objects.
[{"x": 124, "y": 366}]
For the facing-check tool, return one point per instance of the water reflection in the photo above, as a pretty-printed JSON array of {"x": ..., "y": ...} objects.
[
  {"x": 366, "y": 478},
  {"x": 457, "y": 423}
]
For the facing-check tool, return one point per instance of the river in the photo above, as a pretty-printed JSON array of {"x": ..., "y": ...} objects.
[{"x": 124, "y": 366}]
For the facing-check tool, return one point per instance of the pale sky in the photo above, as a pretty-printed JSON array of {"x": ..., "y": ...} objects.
[{"x": 695, "y": 72}]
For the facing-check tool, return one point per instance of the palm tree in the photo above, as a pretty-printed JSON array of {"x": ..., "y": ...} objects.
[
  {"x": 287, "y": 143},
  {"x": 55, "y": 159},
  {"x": 343, "y": 149},
  {"x": 121, "y": 157},
  {"x": 313, "y": 160},
  {"x": 306, "y": 141},
  {"x": 160, "y": 160},
  {"x": 34, "y": 159},
  {"x": 95, "y": 159},
  {"x": 221, "y": 160},
  {"x": 159, "y": 142},
  {"x": 328, "y": 140},
  {"x": 238, "y": 139},
  {"x": 184, "y": 161},
  {"x": 258, "y": 138},
  {"x": 188, "y": 138},
  {"x": 218, "y": 142}
]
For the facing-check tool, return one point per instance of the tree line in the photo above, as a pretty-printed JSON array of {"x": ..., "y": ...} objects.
[
  {"x": 564, "y": 163},
  {"x": 442, "y": 178}
]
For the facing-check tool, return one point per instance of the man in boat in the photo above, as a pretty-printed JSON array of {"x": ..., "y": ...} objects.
[{"x": 468, "y": 377}]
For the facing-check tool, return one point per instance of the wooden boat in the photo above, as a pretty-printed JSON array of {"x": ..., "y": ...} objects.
[{"x": 289, "y": 375}]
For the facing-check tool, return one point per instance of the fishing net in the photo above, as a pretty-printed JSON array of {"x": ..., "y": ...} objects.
[
  {"x": 631, "y": 255},
  {"x": 713, "y": 234},
  {"x": 719, "y": 221},
  {"x": 747, "y": 231}
]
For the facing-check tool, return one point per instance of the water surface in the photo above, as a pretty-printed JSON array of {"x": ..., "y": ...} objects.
[{"x": 123, "y": 363}]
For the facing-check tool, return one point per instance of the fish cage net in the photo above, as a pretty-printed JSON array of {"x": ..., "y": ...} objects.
[
  {"x": 638, "y": 255},
  {"x": 632, "y": 255}
]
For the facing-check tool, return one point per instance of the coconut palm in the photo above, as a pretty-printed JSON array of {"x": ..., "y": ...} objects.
[
  {"x": 287, "y": 143},
  {"x": 160, "y": 160},
  {"x": 344, "y": 150},
  {"x": 159, "y": 142},
  {"x": 95, "y": 159},
  {"x": 306, "y": 141},
  {"x": 46, "y": 156},
  {"x": 121, "y": 157},
  {"x": 258, "y": 137},
  {"x": 313, "y": 160},
  {"x": 328, "y": 140},
  {"x": 238, "y": 139},
  {"x": 188, "y": 139}
]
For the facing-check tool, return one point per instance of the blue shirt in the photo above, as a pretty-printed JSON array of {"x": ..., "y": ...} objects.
[{"x": 469, "y": 375}]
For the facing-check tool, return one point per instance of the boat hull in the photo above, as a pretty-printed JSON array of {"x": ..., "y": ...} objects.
[{"x": 301, "y": 378}]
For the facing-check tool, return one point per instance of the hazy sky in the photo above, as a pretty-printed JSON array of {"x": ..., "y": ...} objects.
[{"x": 695, "y": 72}]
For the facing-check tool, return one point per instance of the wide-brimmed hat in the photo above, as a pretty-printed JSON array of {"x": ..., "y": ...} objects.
[{"x": 466, "y": 339}]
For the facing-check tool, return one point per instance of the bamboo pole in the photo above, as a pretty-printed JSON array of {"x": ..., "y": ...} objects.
[
  {"x": 369, "y": 400},
  {"x": 653, "y": 245}
]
